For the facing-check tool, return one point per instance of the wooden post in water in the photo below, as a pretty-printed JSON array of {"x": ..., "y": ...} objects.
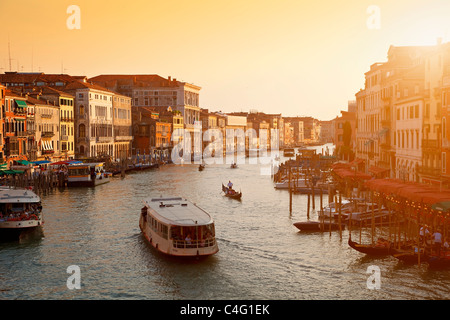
[
  {"x": 307, "y": 211},
  {"x": 290, "y": 189},
  {"x": 340, "y": 226},
  {"x": 373, "y": 216},
  {"x": 418, "y": 234},
  {"x": 321, "y": 210}
]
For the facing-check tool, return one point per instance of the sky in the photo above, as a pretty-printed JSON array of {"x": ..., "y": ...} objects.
[{"x": 295, "y": 57}]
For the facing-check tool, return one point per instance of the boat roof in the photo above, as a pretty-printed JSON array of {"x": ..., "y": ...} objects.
[
  {"x": 18, "y": 195},
  {"x": 90, "y": 164},
  {"x": 177, "y": 211}
]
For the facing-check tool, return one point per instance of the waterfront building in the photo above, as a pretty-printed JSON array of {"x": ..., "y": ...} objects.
[
  {"x": 93, "y": 119},
  {"x": 14, "y": 127},
  {"x": 156, "y": 91},
  {"x": 408, "y": 120},
  {"x": 44, "y": 144},
  {"x": 297, "y": 124},
  {"x": 65, "y": 102},
  {"x": 2, "y": 112},
  {"x": 445, "y": 152},
  {"x": 122, "y": 124},
  {"x": 345, "y": 134}
]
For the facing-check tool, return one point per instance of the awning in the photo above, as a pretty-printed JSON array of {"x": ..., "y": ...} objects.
[
  {"x": 377, "y": 170},
  {"x": 40, "y": 162},
  {"x": 21, "y": 103},
  {"x": 24, "y": 162},
  {"x": 46, "y": 145},
  {"x": 4, "y": 172}
]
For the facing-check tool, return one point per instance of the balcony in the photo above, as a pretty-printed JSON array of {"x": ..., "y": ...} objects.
[
  {"x": 22, "y": 134},
  {"x": 123, "y": 138},
  {"x": 47, "y": 134},
  {"x": 46, "y": 116},
  {"x": 103, "y": 139},
  {"x": 428, "y": 171},
  {"x": 430, "y": 144},
  {"x": 64, "y": 138},
  {"x": 66, "y": 119}
]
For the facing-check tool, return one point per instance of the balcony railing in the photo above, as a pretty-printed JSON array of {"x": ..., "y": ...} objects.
[
  {"x": 430, "y": 144},
  {"x": 47, "y": 134}
]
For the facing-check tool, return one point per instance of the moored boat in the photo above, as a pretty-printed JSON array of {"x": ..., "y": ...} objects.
[
  {"x": 317, "y": 225},
  {"x": 201, "y": 167},
  {"x": 439, "y": 262},
  {"x": 408, "y": 255},
  {"x": 381, "y": 248},
  {"x": 177, "y": 227},
  {"x": 20, "y": 211},
  {"x": 87, "y": 175}
]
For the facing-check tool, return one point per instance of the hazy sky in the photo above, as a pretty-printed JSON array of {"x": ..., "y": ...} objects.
[{"x": 292, "y": 57}]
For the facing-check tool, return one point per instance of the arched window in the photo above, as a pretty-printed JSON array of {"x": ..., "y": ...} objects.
[{"x": 82, "y": 131}]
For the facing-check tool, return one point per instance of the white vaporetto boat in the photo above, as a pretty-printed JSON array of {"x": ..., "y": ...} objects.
[
  {"x": 87, "y": 175},
  {"x": 178, "y": 227},
  {"x": 20, "y": 212}
]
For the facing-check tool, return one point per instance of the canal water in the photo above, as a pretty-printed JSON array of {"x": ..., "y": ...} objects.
[{"x": 261, "y": 254}]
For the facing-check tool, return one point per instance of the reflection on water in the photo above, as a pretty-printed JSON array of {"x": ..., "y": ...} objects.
[{"x": 261, "y": 254}]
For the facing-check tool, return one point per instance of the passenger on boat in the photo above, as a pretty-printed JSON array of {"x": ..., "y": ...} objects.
[
  {"x": 230, "y": 185},
  {"x": 437, "y": 237},
  {"x": 188, "y": 239}
]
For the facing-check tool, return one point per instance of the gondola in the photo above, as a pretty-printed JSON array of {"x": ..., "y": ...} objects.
[
  {"x": 435, "y": 262},
  {"x": 317, "y": 225},
  {"x": 231, "y": 193},
  {"x": 382, "y": 248},
  {"x": 408, "y": 256}
]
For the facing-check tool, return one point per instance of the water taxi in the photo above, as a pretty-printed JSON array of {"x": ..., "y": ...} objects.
[
  {"x": 87, "y": 175},
  {"x": 177, "y": 227},
  {"x": 20, "y": 212}
]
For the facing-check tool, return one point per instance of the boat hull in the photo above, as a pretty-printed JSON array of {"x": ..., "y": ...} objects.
[
  {"x": 87, "y": 183},
  {"x": 16, "y": 230},
  {"x": 372, "y": 250},
  {"x": 317, "y": 226}
]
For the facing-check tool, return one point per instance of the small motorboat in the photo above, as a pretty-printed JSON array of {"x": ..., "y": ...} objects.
[
  {"x": 317, "y": 225},
  {"x": 381, "y": 248},
  {"x": 231, "y": 193}
]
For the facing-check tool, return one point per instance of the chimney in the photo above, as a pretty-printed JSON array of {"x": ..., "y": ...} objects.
[{"x": 170, "y": 78}]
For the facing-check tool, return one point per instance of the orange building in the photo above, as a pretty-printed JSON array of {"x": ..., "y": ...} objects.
[
  {"x": 2, "y": 108},
  {"x": 15, "y": 127}
]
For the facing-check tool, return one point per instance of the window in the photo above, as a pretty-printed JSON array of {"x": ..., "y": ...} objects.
[
  {"x": 444, "y": 162},
  {"x": 444, "y": 123},
  {"x": 416, "y": 111}
]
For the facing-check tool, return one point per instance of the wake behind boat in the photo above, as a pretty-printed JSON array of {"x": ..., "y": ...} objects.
[
  {"x": 20, "y": 212},
  {"x": 177, "y": 227}
]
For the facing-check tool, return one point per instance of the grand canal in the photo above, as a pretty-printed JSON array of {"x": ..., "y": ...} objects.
[{"x": 262, "y": 255}]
